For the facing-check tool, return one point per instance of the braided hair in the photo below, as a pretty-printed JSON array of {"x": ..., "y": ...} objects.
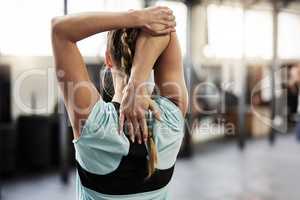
[{"x": 122, "y": 47}]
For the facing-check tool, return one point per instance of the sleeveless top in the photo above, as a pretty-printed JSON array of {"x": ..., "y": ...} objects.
[{"x": 109, "y": 166}]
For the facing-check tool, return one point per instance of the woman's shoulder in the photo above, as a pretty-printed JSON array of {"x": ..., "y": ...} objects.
[
  {"x": 102, "y": 115},
  {"x": 170, "y": 113},
  {"x": 168, "y": 106}
]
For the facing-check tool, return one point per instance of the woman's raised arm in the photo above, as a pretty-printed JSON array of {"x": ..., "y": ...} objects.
[
  {"x": 164, "y": 52},
  {"x": 169, "y": 74},
  {"x": 79, "y": 93}
]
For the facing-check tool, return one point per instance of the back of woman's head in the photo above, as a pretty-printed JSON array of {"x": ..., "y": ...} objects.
[
  {"x": 121, "y": 48},
  {"x": 121, "y": 45}
]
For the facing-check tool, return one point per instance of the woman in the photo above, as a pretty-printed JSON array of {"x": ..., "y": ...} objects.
[{"x": 112, "y": 165}]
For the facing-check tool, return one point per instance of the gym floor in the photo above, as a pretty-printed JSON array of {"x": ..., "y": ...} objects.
[{"x": 217, "y": 171}]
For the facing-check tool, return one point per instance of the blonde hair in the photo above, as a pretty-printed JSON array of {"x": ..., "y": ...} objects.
[{"x": 152, "y": 150}]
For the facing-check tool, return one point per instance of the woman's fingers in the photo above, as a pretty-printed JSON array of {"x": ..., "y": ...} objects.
[
  {"x": 143, "y": 126},
  {"x": 130, "y": 131},
  {"x": 136, "y": 128},
  {"x": 166, "y": 24},
  {"x": 121, "y": 122},
  {"x": 160, "y": 21},
  {"x": 165, "y": 10},
  {"x": 165, "y": 20},
  {"x": 165, "y": 31},
  {"x": 163, "y": 16},
  {"x": 166, "y": 16}
]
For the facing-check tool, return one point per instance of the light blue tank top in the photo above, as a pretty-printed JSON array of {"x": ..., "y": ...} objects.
[{"x": 100, "y": 148}]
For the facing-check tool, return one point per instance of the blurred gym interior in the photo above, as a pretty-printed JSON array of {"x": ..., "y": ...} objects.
[{"x": 242, "y": 69}]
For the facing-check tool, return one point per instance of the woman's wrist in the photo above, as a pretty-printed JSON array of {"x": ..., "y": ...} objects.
[
  {"x": 137, "y": 17},
  {"x": 138, "y": 86}
]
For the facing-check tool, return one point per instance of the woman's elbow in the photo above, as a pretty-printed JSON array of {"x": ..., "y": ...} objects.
[
  {"x": 181, "y": 101},
  {"x": 57, "y": 26}
]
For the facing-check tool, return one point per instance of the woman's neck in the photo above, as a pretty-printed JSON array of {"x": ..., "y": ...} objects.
[{"x": 119, "y": 83}]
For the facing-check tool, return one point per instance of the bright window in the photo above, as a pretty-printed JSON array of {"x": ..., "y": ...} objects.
[
  {"x": 229, "y": 35},
  {"x": 225, "y": 33},
  {"x": 288, "y": 36},
  {"x": 96, "y": 45},
  {"x": 259, "y": 34},
  {"x": 25, "y": 26},
  {"x": 180, "y": 12}
]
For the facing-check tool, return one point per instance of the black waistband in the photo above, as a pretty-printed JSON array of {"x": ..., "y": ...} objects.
[{"x": 125, "y": 181}]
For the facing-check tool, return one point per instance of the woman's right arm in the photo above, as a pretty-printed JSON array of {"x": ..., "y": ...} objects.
[
  {"x": 169, "y": 74},
  {"x": 79, "y": 92},
  {"x": 163, "y": 52}
]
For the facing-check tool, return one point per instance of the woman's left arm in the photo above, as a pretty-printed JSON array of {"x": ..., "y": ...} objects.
[
  {"x": 136, "y": 101},
  {"x": 79, "y": 93}
]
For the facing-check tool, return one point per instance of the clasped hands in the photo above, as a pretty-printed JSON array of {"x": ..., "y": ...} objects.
[{"x": 135, "y": 104}]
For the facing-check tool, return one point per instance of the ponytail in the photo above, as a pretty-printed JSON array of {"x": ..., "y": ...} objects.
[
  {"x": 122, "y": 47},
  {"x": 152, "y": 161},
  {"x": 152, "y": 149}
]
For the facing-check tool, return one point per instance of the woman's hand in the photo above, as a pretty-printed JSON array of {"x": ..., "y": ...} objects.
[
  {"x": 135, "y": 104},
  {"x": 157, "y": 20}
]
